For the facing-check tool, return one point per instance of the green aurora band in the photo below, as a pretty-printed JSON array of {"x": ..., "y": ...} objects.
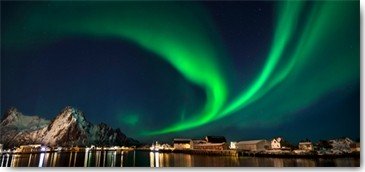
[
  {"x": 183, "y": 35},
  {"x": 171, "y": 30},
  {"x": 308, "y": 49},
  {"x": 289, "y": 14}
]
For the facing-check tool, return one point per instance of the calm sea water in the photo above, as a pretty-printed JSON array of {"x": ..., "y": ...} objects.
[{"x": 154, "y": 159}]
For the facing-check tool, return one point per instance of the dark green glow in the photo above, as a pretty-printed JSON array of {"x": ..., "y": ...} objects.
[{"x": 129, "y": 119}]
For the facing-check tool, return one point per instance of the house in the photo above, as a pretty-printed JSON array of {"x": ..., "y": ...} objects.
[
  {"x": 165, "y": 146},
  {"x": 210, "y": 143},
  {"x": 253, "y": 145},
  {"x": 197, "y": 142},
  {"x": 29, "y": 148},
  {"x": 276, "y": 143},
  {"x": 232, "y": 145},
  {"x": 211, "y": 146},
  {"x": 307, "y": 145},
  {"x": 182, "y": 144}
]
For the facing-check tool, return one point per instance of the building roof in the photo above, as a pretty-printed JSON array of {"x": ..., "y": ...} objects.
[
  {"x": 34, "y": 145},
  {"x": 216, "y": 139},
  {"x": 250, "y": 142},
  {"x": 199, "y": 141},
  {"x": 278, "y": 139},
  {"x": 305, "y": 143},
  {"x": 209, "y": 144}
]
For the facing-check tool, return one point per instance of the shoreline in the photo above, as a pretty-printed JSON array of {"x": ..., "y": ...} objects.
[
  {"x": 67, "y": 151},
  {"x": 236, "y": 153},
  {"x": 305, "y": 156},
  {"x": 239, "y": 153}
]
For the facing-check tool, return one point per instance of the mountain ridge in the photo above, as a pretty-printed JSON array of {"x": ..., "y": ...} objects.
[{"x": 68, "y": 128}]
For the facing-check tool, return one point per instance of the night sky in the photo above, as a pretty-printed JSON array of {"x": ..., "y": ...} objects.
[{"x": 160, "y": 70}]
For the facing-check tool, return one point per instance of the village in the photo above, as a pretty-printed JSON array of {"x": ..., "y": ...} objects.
[{"x": 218, "y": 145}]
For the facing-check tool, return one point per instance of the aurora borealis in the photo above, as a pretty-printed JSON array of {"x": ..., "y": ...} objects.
[{"x": 166, "y": 69}]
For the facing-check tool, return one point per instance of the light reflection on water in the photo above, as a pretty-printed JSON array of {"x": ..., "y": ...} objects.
[{"x": 156, "y": 159}]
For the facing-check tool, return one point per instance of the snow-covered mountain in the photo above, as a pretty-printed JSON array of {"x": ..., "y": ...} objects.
[
  {"x": 15, "y": 119},
  {"x": 68, "y": 128}
]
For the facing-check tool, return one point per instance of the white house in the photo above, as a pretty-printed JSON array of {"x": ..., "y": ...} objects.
[
  {"x": 232, "y": 145},
  {"x": 276, "y": 143}
]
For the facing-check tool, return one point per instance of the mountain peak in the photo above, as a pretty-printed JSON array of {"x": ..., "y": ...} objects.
[
  {"x": 71, "y": 113},
  {"x": 12, "y": 112},
  {"x": 69, "y": 117},
  {"x": 70, "y": 109}
]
